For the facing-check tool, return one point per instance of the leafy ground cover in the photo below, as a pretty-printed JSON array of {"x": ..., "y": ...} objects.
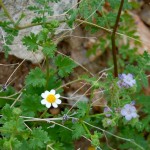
[{"x": 38, "y": 114}]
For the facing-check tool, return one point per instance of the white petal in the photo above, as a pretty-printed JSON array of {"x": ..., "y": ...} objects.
[
  {"x": 132, "y": 108},
  {"x": 124, "y": 75},
  {"x": 52, "y": 92},
  {"x": 128, "y": 117},
  {"x": 131, "y": 83},
  {"x": 48, "y": 105},
  {"x": 58, "y": 101},
  {"x": 57, "y": 95},
  {"x": 123, "y": 112},
  {"x": 134, "y": 115},
  {"x": 54, "y": 105},
  {"x": 130, "y": 75},
  {"x": 43, "y": 101},
  {"x": 127, "y": 106},
  {"x": 44, "y": 95}
]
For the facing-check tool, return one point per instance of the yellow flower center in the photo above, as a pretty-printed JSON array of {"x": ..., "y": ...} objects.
[{"x": 51, "y": 98}]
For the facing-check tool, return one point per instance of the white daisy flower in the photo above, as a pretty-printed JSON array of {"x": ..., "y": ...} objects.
[{"x": 50, "y": 99}]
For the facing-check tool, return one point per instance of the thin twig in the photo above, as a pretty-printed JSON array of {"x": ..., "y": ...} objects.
[
  {"x": 113, "y": 39},
  {"x": 6, "y": 65},
  {"x": 14, "y": 71},
  {"x": 84, "y": 93},
  {"x": 110, "y": 31}
]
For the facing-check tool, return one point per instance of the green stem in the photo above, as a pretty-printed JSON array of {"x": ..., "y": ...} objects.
[
  {"x": 6, "y": 12},
  {"x": 113, "y": 39},
  {"x": 47, "y": 72},
  {"x": 86, "y": 129},
  {"x": 90, "y": 102},
  {"x": 96, "y": 115},
  {"x": 43, "y": 114}
]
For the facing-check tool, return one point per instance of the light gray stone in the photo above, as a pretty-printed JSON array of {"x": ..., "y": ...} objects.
[
  {"x": 16, "y": 7},
  {"x": 75, "y": 98}
]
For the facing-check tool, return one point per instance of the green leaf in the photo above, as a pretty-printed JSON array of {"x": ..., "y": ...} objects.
[
  {"x": 131, "y": 133},
  {"x": 73, "y": 14},
  {"x": 42, "y": 36},
  {"x": 37, "y": 20},
  {"x": 82, "y": 108},
  {"x": 95, "y": 139},
  {"x": 114, "y": 4},
  {"x": 145, "y": 102},
  {"x": 78, "y": 130},
  {"x": 6, "y": 50},
  {"x": 39, "y": 138},
  {"x": 43, "y": 9},
  {"x": 30, "y": 42},
  {"x": 36, "y": 78},
  {"x": 144, "y": 79},
  {"x": 15, "y": 143},
  {"x": 33, "y": 8},
  {"x": 49, "y": 49},
  {"x": 9, "y": 39},
  {"x": 31, "y": 105},
  {"x": 7, "y": 112},
  {"x": 65, "y": 65},
  {"x": 13, "y": 126}
]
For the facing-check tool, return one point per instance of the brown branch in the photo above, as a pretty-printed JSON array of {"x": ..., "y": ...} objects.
[{"x": 113, "y": 39}]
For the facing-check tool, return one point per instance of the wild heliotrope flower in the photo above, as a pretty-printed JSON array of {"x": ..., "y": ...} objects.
[
  {"x": 129, "y": 112},
  {"x": 107, "y": 110},
  {"x": 50, "y": 99},
  {"x": 126, "y": 80}
]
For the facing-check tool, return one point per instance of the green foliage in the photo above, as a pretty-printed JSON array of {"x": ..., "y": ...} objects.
[
  {"x": 138, "y": 138},
  {"x": 82, "y": 108},
  {"x": 36, "y": 78},
  {"x": 86, "y": 8},
  {"x": 38, "y": 138},
  {"x": 78, "y": 130},
  {"x": 49, "y": 49},
  {"x": 95, "y": 139},
  {"x": 29, "y": 125},
  {"x": 66, "y": 68},
  {"x": 30, "y": 42},
  {"x": 31, "y": 105},
  {"x": 4, "y": 94}
]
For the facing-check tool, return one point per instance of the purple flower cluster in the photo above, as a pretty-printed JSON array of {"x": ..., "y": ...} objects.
[
  {"x": 108, "y": 111},
  {"x": 129, "y": 111},
  {"x": 126, "y": 80}
]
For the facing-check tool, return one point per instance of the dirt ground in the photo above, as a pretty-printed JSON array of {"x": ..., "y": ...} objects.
[{"x": 7, "y": 67}]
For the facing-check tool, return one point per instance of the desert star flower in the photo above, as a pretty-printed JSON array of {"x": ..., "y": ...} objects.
[
  {"x": 129, "y": 112},
  {"x": 50, "y": 98},
  {"x": 126, "y": 80}
]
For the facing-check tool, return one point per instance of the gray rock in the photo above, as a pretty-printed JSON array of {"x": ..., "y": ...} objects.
[
  {"x": 16, "y": 7},
  {"x": 75, "y": 98}
]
